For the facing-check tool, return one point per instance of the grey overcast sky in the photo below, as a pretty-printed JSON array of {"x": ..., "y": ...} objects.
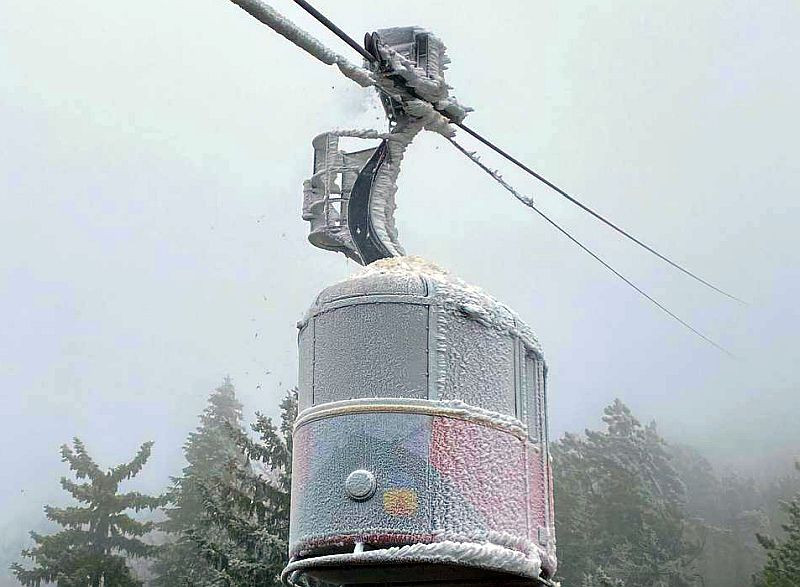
[{"x": 151, "y": 164}]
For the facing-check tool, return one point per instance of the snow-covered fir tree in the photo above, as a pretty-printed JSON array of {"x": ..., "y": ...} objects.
[
  {"x": 250, "y": 506},
  {"x": 782, "y": 568},
  {"x": 619, "y": 507},
  {"x": 228, "y": 518},
  {"x": 98, "y": 535},
  {"x": 209, "y": 452}
]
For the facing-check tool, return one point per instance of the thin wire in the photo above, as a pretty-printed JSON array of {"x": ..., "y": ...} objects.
[
  {"x": 586, "y": 208},
  {"x": 529, "y": 202},
  {"x": 347, "y": 39},
  {"x": 335, "y": 29}
]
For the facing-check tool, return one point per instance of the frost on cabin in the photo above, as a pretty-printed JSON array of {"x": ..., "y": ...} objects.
[{"x": 420, "y": 450}]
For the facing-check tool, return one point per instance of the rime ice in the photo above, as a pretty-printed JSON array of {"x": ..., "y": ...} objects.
[
  {"x": 350, "y": 199},
  {"x": 436, "y": 391}
]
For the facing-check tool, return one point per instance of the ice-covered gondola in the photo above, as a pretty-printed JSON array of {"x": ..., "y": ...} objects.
[
  {"x": 421, "y": 447},
  {"x": 420, "y": 451}
]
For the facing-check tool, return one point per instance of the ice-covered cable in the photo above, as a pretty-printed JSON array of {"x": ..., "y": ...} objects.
[
  {"x": 414, "y": 77},
  {"x": 528, "y": 201},
  {"x": 287, "y": 29},
  {"x": 592, "y": 212}
]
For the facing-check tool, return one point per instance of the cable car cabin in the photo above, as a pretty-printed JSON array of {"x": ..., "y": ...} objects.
[{"x": 420, "y": 449}]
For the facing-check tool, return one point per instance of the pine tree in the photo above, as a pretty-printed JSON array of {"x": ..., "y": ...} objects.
[
  {"x": 208, "y": 450},
  {"x": 618, "y": 507},
  {"x": 782, "y": 568},
  {"x": 251, "y": 505},
  {"x": 88, "y": 552}
]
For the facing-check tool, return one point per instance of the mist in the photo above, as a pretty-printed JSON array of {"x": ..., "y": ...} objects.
[{"x": 152, "y": 164}]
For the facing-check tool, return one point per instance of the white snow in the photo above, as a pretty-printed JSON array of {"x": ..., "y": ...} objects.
[
  {"x": 457, "y": 296},
  {"x": 430, "y": 86}
]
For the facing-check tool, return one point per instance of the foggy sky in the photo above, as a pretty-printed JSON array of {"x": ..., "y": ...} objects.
[{"x": 152, "y": 160}]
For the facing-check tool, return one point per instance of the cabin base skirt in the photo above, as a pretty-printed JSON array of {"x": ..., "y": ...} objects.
[{"x": 438, "y": 563}]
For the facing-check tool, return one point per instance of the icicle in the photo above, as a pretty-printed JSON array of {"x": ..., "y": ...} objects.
[{"x": 527, "y": 200}]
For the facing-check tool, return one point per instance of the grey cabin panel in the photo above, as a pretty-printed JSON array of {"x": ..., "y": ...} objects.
[
  {"x": 371, "y": 350},
  {"x": 478, "y": 365}
]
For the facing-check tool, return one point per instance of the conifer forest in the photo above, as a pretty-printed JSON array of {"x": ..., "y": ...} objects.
[
  {"x": 432, "y": 293},
  {"x": 632, "y": 509}
]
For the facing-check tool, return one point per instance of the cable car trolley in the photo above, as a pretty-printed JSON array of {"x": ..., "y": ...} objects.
[{"x": 350, "y": 199}]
